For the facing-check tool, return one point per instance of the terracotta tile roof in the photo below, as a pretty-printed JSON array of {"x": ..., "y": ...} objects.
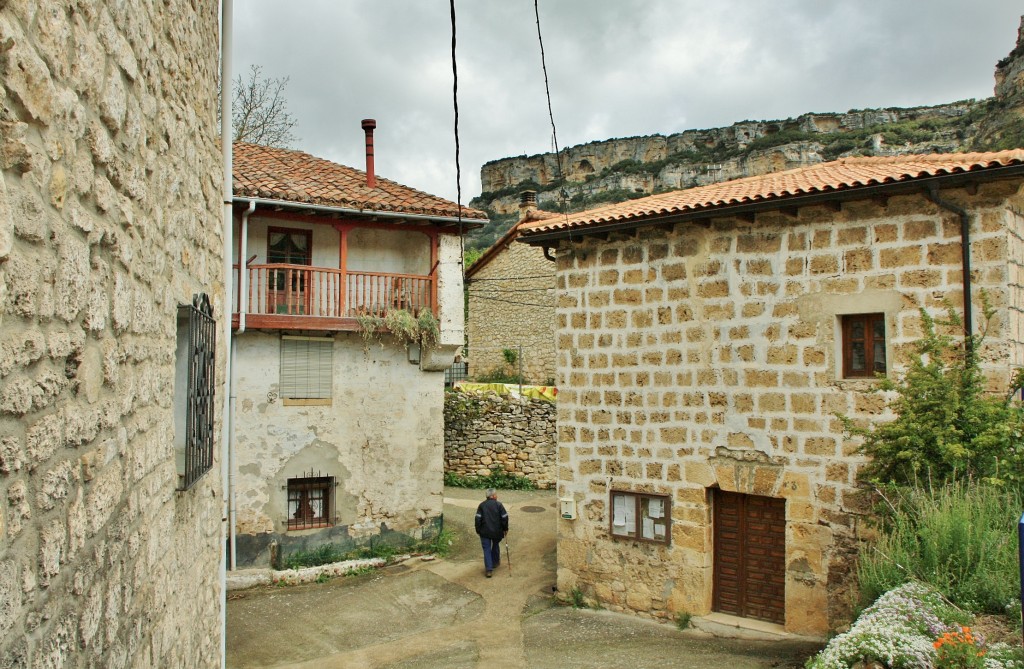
[
  {"x": 847, "y": 174},
  {"x": 506, "y": 239},
  {"x": 284, "y": 174}
]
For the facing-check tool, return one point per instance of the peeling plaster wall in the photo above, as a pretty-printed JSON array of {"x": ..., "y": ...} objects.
[
  {"x": 382, "y": 438},
  {"x": 709, "y": 357}
]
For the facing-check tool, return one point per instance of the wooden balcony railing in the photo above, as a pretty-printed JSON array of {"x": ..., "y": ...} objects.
[{"x": 302, "y": 290}]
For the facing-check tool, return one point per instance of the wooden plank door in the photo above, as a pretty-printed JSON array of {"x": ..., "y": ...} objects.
[{"x": 750, "y": 556}]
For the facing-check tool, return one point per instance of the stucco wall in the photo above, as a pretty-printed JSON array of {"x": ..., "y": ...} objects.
[
  {"x": 381, "y": 438},
  {"x": 706, "y": 357},
  {"x": 109, "y": 218},
  {"x": 512, "y": 303}
]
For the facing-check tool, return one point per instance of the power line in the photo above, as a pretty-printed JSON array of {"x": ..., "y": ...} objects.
[
  {"x": 525, "y": 304},
  {"x": 513, "y": 278},
  {"x": 554, "y": 133},
  {"x": 458, "y": 168}
]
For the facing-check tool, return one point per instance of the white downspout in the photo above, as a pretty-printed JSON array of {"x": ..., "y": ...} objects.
[
  {"x": 243, "y": 308},
  {"x": 226, "y": 20}
]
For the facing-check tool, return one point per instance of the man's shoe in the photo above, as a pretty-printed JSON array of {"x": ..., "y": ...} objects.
[{"x": 489, "y": 572}]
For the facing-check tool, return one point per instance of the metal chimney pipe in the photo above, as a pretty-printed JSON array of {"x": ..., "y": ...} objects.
[{"x": 368, "y": 125}]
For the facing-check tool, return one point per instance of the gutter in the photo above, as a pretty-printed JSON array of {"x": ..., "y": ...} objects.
[
  {"x": 932, "y": 193},
  {"x": 226, "y": 21},
  {"x": 286, "y": 204},
  {"x": 243, "y": 308}
]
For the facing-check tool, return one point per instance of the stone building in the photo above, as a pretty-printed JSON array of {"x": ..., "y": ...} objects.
[
  {"x": 110, "y": 236},
  {"x": 707, "y": 340},
  {"x": 339, "y": 438},
  {"x": 511, "y": 302}
]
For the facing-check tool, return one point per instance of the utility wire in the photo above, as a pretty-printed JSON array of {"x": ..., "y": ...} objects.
[
  {"x": 512, "y": 278},
  {"x": 525, "y": 304},
  {"x": 458, "y": 168},
  {"x": 554, "y": 133}
]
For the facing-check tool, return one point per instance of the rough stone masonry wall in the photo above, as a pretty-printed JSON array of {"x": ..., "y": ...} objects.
[
  {"x": 517, "y": 435},
  {"x": 109, "y": 218},
  {"x": 512, "y": 302},
  {"x": 706, "y": 357}
]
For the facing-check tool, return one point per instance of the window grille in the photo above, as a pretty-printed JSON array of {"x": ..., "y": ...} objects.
[
  {"x": 641, "y": 516},
  {"x": 459, "y": 371},
  {"x": 310, "y": 502},
  {"x": 199, "y": 393}
]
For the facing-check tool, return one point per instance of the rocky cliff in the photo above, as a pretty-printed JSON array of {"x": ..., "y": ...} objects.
[{"x": 618, "y": 169}]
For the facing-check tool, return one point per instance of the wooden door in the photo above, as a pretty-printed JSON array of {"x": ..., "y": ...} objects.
[
  {"x": 750, "y": 556},
  {"x": 288, "y": 290}
]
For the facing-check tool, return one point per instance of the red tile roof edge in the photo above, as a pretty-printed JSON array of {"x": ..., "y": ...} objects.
[
  {"x": 843, "y": 175},
  {"x": 293, "y": 176}
]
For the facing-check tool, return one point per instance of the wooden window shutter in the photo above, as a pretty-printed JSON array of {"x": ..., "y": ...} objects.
[{"x": 306, "y": 367}]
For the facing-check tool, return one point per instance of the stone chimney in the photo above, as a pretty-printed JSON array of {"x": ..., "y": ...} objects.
[
  {"x": 527, "y": 204},
  {"x": 371, "y": 178}
]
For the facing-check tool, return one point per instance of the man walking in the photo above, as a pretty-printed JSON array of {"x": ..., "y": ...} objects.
[{"x": 492, "y": 526}]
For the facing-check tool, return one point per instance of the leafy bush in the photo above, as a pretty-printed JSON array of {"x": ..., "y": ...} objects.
[
  {"x": 498, "y": 375},
  {"x": 460, "y": 409},
  {"x": 325, "y": 554},
  {"x": 498, "y": 479},
  {"x": 959, "y": 539},
  {"x": 946, "y": 426}
]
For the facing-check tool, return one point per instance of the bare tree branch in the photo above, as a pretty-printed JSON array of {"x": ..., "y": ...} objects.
[{"x": 259, "y": 110}]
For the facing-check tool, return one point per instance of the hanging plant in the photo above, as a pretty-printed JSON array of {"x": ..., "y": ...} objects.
[
  {"x": 406, "y": 328},
  {"x": 429, "y": 328}
]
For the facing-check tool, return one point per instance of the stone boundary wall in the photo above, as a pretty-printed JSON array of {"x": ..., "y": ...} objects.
[{"x": 516, "y": 434}]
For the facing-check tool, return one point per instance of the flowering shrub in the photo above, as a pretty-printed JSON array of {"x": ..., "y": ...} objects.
[
  {"x": 960, "y": 650},
  {"x": 912, "y": 627}
]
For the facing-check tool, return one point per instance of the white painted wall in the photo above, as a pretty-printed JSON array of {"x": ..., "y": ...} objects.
[{"x": 382, "y": 437}]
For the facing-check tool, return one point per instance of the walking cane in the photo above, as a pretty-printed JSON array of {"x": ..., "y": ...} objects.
[{"x": 508, "y": 558}]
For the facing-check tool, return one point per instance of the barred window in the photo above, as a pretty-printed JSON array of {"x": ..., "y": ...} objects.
[
  {"x": 310, "y": 502},
  {"x": 194, "y": 379}
]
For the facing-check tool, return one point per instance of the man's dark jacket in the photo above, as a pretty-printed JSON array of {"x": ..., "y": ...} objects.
[{"x": 491, "y": 519}]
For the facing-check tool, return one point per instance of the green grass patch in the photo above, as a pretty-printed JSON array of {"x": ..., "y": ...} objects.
[{"x": 497, "y": 479}]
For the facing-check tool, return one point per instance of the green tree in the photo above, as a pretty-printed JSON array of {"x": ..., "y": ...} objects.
[{"x": 947, "y": 426}]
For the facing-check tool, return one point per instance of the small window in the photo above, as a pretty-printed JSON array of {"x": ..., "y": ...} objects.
[
  {"x": 310, "y": 502},
  {"x": 641, "y": 516},
  {"x": 306, "y": 370},
  {"x": 194, "y": 384},
  {"x": 863, "y": 345}
]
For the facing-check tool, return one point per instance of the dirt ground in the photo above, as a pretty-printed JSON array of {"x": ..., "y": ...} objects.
[{"x": 445, "y": 613}]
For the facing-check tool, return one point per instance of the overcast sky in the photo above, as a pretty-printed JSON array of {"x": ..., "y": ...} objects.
[{"x": 617, "y": 68}]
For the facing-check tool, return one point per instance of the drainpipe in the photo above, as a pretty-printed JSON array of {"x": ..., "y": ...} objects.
[
  {"x": 371, "y": 178},
  {"x": 226, "y": 20},
  {"x": 965, "y": 254},
  {"x": 243, "y": 308}
]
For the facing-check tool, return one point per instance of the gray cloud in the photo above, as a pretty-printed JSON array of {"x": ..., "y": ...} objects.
[{"x": 617, "y": 68}]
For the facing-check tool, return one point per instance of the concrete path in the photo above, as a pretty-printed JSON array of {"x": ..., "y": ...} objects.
[{"x": 445, "y": 613}]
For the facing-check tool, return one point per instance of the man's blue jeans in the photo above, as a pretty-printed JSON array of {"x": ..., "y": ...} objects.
[{"x": 492, "y": 552}]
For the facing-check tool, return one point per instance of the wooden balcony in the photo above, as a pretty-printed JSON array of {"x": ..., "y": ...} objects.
[{"x": 302, "y": 297}]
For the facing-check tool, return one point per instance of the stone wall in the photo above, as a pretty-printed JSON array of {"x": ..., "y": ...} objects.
[
  {"x": 512, "y": 303},
  {"x": 707, "y": 357},
  {"x": 109, "y": 219},
  {"x": 516, "y": 435}
]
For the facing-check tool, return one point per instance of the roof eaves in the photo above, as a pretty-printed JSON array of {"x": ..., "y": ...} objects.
[{"x": 539, "y": 236}]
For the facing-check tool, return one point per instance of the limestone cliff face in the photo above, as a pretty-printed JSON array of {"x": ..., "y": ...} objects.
[{"x": 615, "y": 169}]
